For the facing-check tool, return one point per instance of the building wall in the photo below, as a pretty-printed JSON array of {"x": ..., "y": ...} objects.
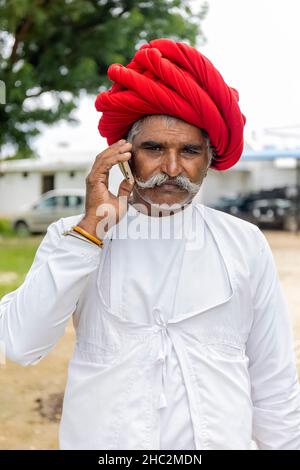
[
  {"x": 223, "y": 183},
  {"x": 16, "y": 190},
  {"x": 64, "y": 180},
  {"x": 266, "y": 175}
]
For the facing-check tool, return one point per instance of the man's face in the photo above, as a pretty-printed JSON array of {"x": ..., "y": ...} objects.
[{"x": 172, "y": 150}]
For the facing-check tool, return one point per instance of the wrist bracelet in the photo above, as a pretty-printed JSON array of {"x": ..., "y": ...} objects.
[
  {"x": 77, "y": 234},
  {"x": 88, "y": 235}
]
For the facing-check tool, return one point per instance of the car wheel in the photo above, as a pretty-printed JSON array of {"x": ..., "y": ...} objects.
[
  {"x": 290, "y": 223},
  {"x": 22, "y": 229}
]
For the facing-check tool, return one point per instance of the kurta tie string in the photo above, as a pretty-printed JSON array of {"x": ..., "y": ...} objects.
[{"x": 164, "y": 352}]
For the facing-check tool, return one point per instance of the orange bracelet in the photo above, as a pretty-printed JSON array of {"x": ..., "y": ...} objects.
[{"x": 88, "y": 235}]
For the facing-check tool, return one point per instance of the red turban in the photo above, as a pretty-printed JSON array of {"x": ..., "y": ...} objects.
[{"x": 167, "y": 77}]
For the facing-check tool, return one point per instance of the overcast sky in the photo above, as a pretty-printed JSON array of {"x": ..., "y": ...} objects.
[{"x": 254, "y": 44}]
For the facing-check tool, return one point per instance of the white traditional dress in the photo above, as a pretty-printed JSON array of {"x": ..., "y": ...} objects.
[{"x": 181, "y": 343}]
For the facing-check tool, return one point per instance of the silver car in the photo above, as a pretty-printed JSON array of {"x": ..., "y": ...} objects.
[{"x": 50, "y": 207}]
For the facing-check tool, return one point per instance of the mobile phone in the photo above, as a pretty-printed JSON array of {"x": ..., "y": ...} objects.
[{"x": 126, "y": 171}]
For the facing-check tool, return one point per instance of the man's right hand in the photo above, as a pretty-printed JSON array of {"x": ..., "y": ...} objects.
[{"x": 97, "y": 194}]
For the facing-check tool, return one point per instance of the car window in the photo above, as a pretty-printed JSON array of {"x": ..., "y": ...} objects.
[
  {"x": 74, "y": 201},
  {"x": 283, "y": 203},
  {"x": 47, "y": 202},
  {"x": 50, "y": 202},
  {"x": 262, "y": 203}
]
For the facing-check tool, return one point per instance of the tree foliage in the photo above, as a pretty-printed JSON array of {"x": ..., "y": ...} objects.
[{"x": 61, "y": 47}]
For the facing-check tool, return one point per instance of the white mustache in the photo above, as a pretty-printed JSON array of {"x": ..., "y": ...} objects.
[{"x": 161, "y": 178}]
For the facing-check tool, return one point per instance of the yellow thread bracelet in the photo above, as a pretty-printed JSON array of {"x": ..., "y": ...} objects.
[{"x": 87, "y": 235}]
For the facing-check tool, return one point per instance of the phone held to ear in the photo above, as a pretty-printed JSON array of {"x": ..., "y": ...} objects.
[{"x": 126, "y": 171}]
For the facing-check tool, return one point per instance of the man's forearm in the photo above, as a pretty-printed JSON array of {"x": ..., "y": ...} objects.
[{"x": 33, "y": 317}]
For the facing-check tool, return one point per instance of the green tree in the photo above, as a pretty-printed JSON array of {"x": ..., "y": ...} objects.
[{"x": 65, "y": 46}]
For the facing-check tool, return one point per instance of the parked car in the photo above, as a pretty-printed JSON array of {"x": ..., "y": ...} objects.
[
  {"x": 235, "y": 205},
  {"x": 51, "y": 206},
  {"x": 275, "y": 213},
  {"x": 265, "y": 212}
]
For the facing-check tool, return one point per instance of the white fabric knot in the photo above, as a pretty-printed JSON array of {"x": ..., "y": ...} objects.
[{"x": 163, "y": 352}]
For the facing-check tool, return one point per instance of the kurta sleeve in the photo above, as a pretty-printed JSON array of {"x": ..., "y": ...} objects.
[
  {"x": 272, "y": 359},
  {"x": 34, "y": 316}
]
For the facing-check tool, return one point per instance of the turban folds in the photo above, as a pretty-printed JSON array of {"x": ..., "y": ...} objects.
[{"x": 168, "y": 77}]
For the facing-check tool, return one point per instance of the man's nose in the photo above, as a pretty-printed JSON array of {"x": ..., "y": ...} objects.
[{"x": 171, "y": 164}]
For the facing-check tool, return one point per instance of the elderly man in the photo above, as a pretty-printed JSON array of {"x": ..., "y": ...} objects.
[{"x": 183, "y": 338}]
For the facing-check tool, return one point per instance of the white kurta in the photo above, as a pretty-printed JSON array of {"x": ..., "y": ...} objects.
[
  {"x": 231, "y": 380},
  {"x": 151, "y": 274}
]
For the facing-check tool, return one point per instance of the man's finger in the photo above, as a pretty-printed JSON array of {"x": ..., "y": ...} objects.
[
  {"x": 118, "y": 147},
  {"x": 103, "y": 165}
]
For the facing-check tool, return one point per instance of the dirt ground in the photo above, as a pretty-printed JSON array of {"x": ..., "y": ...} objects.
[{"x": 30, "y": 397}]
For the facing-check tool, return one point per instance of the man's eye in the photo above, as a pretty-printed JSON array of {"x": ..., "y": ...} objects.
[
  {"x": 152, "y": 148},
  {"x": 193, "y": 152}
]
